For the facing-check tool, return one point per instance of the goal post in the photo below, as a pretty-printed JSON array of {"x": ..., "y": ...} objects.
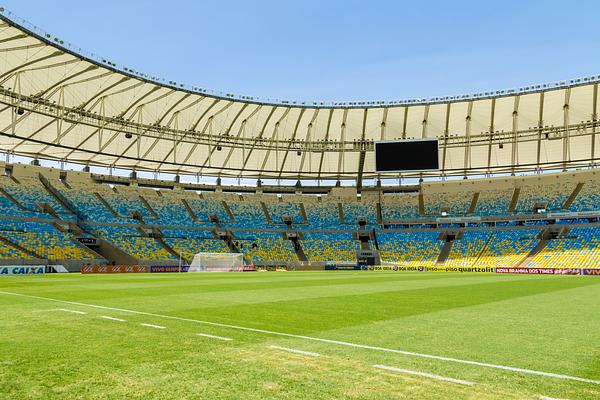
[{"x": 217, "y": 262}]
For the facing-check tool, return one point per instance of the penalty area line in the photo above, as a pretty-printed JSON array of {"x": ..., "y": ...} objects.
[
  {"x": 112, "y": 318},
  {"x": 424, "y": 374},
  {"x": 317, "y": 339},
  {"x": 206, "y": 335},
  {"x": 153, "y": 326},
  {"x": 71, "y": 311},
  {"x": 295, "y": 351}
]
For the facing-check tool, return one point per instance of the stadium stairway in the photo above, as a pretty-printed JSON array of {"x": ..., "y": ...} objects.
[
  {"x": 421, "y": 203},
  {"x": 113, "y": 254},
  {"x": 379, "y": 213},
  {"x": 573, "y": 196},
  {"x": 341, "y": 213},
  {"x": 473, "y": 205},
  {"x": 17, "y": 246},
  {"x": 443, "y": 256},
  {"x": 297, "y": 246},
  {"x": 157, "y": 235},
  {"x": 484, "y": 247},
  {"x": 514, "y": 201},
  {"x": 159, "y": 239},
  {"x": 70, "y": 227},
  {"x": 189, "y": 210},
  {"x": 303, "y": 213},
  {"x": 537, "y": 249},
  {"x": 149, "y": 207},
  {"x": 544, "y": 239},
  {"x": 266, "y": 213},
  {"x": 62, "y": 200},
  {"x": 106, "y": 205},
  {"x": 12, "y": 199},
  {"x": 234, "y": 249},
  {"x": 228, "y": 211},
  {"x": 105, "y": 251}
]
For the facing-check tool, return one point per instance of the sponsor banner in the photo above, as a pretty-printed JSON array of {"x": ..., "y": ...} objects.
[
  {"x": 168, "y": 268},
  {"x": 429, "y": 269},
  {"x": 441, "y": 268},
  {"x": 541, "y": 271},
  {"x": 586, "y": 271},
  {"x": 341, "y": 267},
  {"x": 114, "y": 269},
  {"x": 395, "y": 268},
  {"x": 567, "y": 271},
  {"x": 22, "y": 270}
]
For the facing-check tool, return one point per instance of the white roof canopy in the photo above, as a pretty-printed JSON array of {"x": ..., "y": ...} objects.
[{"x": 58, "y": 104}]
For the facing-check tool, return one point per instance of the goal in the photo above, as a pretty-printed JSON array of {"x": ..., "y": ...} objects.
[{"x": 217, "y": 262}]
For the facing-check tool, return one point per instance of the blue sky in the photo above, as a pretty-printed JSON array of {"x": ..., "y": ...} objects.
[{"x": 334, "y": 50}]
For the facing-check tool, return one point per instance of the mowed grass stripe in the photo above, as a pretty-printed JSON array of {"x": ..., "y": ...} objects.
[
  {"x": 291, "y": 286},
  {"x": 322, "y": 340},
  {"x": 337, "y": 312},
  {"x": 424, "y": 374}
]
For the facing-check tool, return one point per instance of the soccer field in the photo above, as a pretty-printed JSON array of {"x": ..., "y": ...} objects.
[{"x": 300, "y": 335}]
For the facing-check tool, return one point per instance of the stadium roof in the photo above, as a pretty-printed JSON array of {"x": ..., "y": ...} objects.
[{"x": 58, "y": 102}]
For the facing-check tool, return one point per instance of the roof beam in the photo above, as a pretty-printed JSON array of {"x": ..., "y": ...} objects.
[
  {"x": 302, "y": 111},
  {"x": 274, "y": 136},
  {"x": 6, "y": 75},
  {"x": 260, "y": 135},
  {"x": 326, "y": 139}
]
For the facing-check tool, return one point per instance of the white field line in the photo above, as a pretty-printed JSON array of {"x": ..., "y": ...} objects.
[
  {"x": 206, "y": 335},
  {"x": 304, "y": 353},
  {"x": 112, "y": 318},
  {"x": 316, "y": 339},
  {"x": 153, "y": 326},
  {"x": 548, "y": 398},
  {"x": 424, "y": 374},
  {"x": 71, "y": 311}
]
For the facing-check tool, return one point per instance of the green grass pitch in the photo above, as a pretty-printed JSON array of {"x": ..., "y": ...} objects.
[{"x": 548, "y": 324}]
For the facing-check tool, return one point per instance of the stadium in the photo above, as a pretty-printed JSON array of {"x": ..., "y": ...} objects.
[{"x": 430, "y": 248}]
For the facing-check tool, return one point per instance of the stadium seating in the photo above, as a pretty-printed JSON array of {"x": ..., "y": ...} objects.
[
  {"x": 170, "y": 210},
  {"x": 44, "y": 240},
  {"x": 247, "y": 215},
  {"x": 279, "y": 210},
  {"x": 555, "y": 194},
  {"x": 354, "y": 211},
  {"x": 30, "y": 193},
  {"x": 416, "y": 249},
  {"x": 507, "y": 247},
  {"x": 494, "y": 201},
  {"x": 579, "y": 249},
  {"x": 188, "y": 248},
  {"x": 87, "y": 204},
  {"x": 132, "y": 242},
  {"x": 12, "y": 253},
  {"x": 454, "y": 203},
  {"x": 189, "y": 242},
  {"x": 205, "y": 208},
  {"x": 106, "y": 211},
  {"x": 589, "y": 197},
  {"x": 265, "y": 246},
  {"x": 405, "y": 206},
  {"x": 326, "y": 246},
  {"x": 323, "y": 216},
  {"x": 466, "y": 250}
]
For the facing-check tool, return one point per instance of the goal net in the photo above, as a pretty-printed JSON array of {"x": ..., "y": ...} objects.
[{"x": 217, "y": 262}]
